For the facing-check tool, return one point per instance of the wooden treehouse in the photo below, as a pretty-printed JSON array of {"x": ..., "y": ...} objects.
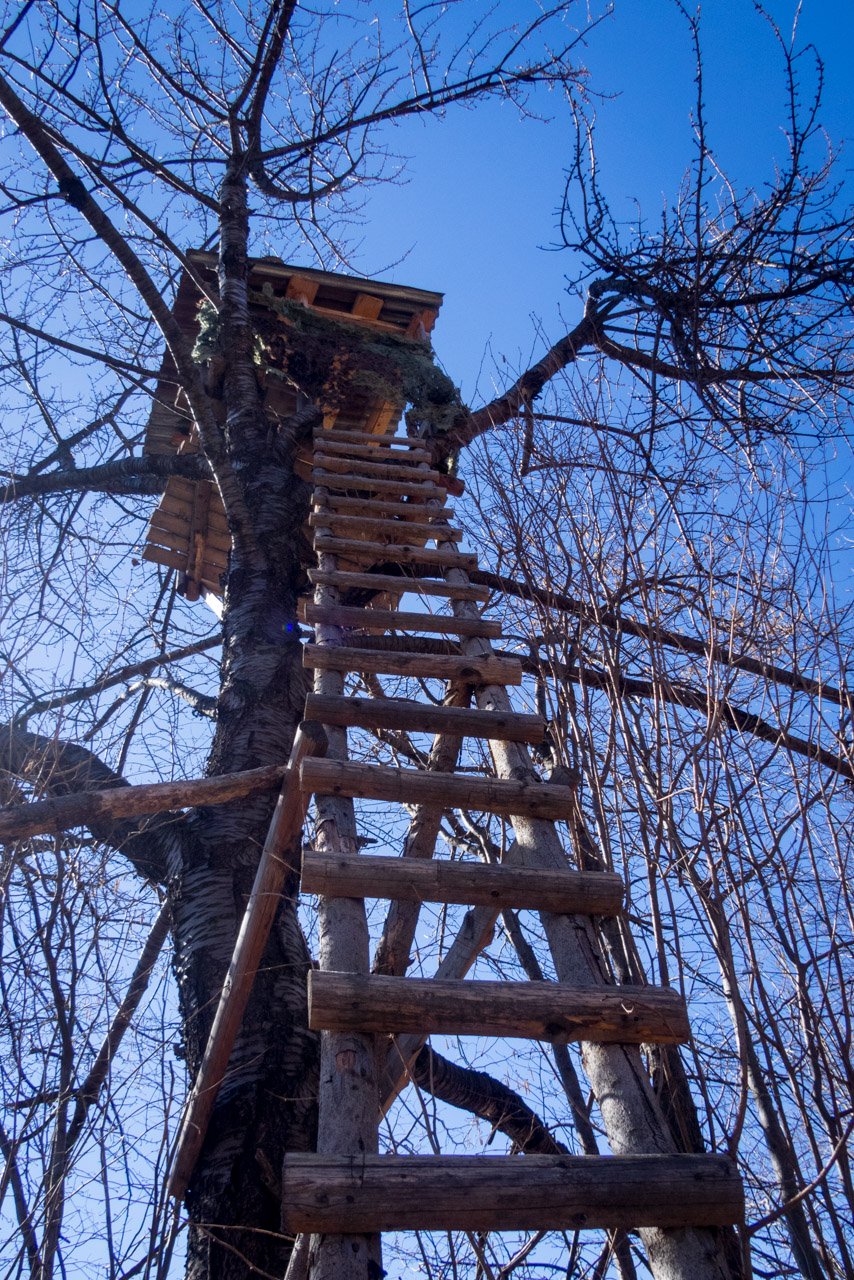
[{"x": 379, "y": 511}]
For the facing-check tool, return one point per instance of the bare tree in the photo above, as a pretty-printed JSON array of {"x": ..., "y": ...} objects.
[{"x": 640, "y": 509}]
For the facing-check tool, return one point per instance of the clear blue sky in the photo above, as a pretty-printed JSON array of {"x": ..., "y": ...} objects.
[{"x": 478, "y": 213}]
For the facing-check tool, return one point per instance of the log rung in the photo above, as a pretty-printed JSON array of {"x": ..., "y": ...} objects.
[
  {"x": 338, "y": 615},
  {"x": 382, "y": 506},
  {"x": 337, "y": 875},
  {"x": 398, "y": 585},
  {"x": 395, "y": 553},
  {"x": 548, "y": 1011},
  {"x": 508, "y": 1193},
  {"x": 365, "y": 437},
  {"x": 380, "y": 470},
  {"x": 374, "y": 484},
  {"x": 421, "y": 717},
  {"x": 348, "y": 448},
  {"x": 486, "y": 670},
  {"x": 547, "y": 801},
  {"x": 402, "y": 528}
]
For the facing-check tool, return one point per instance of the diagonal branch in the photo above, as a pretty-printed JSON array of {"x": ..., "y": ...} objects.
[{"x": 146, "y": 475}]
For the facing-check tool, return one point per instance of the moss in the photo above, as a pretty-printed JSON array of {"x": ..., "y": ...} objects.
[{"x": 332, "y": 356}]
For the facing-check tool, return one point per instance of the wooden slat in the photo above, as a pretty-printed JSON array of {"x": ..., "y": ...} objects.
[
  {"x": 270, "y": 877},
  {"x": 171, "y": 559},
  {"x": 339, "y": 448},
  {"x": 336, "y": 875},
  {"x": 374, "y": 484},
  {"x": 366, "y": 437},
  {"x": 421, "y": 717},
  {"x": 379, "y": 470},
  {"x": 398, "y": 585},
  {"x": 348, "y": 525},
  {"x": 170, "y": 522},
  {"x": 443, "y": 790},
  {"x": 177, "y": 542},
  {"x": 393, "y": 620},
  {"x": 548, "y": 1011},
  {"x": 395, "y": 553},
  {"x": 413, "y": 510},
  {"x": 507, "y": 1193},
  {"x": 429, "y": 666},
  {"x": 367, "y": 306}
]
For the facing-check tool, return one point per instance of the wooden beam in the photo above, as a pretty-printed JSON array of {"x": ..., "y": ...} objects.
[
  {"x": 486, "y": 670},
  {"x": 260, "y": 912},
  {"x": 339, "y": 447},
  {"x": 394, "y": 620},
  {"x": 508, "y": 1193},
  {"x": 398, "y": 585},
  {"x": 301, "y": 289},
  {"x": 395, "y": 553},
  {"x": 374, "y": 484},
  {"x": 421, "y": 717},
  {"x": 366, "y": 437},
  {"x": 533, "y": 1010},
  {"x": 444, "y": 790},
  {"x": 380, "y": 470},
  {"x": 400, "y": 528},
  {"x": 413, "y": 510},
  {"x": 471, "y": 883},
  {"x": 87, "y": 807},
  {"x": 367, "y": 306}
]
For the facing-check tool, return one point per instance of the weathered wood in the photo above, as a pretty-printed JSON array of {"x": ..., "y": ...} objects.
[
  {"x": 446, "y": 790},
  {"x": 270, "y": 877},
  {"x": 365, "y": 437},
  {"x": 399, "y": 528},
  {"x": 488, "y": 670},
  {"x": 87, "y": 807},
  {"x": 508, "y": 1193},
  {"x": 347, "y": 449},
  {"x": 384, "y": 506},
  {"x": 394, "y": 620},
  {"x": 421, "y": 717},
  {"x": 398, "y": 585},
  {"x": 374, "y": 484},
  {"x": 379, "y": 470},
  {"x": 533, "y": 1010},
  {"x": 473, "y": 883},
  {"x": 171, "y": 559},
  {"x": 394, "y": 553}
]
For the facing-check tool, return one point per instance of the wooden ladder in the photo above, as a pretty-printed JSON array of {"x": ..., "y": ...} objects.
[{"x": 376, "y": 504}]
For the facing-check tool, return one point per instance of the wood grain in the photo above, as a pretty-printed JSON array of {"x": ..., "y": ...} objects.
[
  {"x": 508, "y": 1193},
  {"x": 532, "y": 1010},
  {"x": 471, "y": 883}
]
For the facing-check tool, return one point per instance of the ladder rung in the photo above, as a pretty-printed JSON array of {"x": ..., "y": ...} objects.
[
  {"x": 365, "y": 437},
  {"x": 398, "y": 585},
  {"x": 402, "y": 528},
  {"x": 418, "y": 509},
  {"x": 346, "y": 448},
  {"x": 507, "y": 1193},
  {"x": 589, "y": 893},
  {"x": 328, "y": 480},
  {"x": 530, "y": 1010},
  {"x": 395, "y": 553},
  {"x": 421, "y": 717},
  {"x": 339, "y": 615},
  {"x": 443, "y": 790},
  {"x": 382, "y": 470},
  {"x": 429, "y": 666}
]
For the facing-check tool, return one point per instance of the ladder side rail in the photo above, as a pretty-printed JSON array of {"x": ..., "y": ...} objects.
[
  {"x": 348, "y": 1093},
  {"x": 632, "y": 1116}
]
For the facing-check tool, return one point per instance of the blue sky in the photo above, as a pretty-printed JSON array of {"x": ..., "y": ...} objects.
[{"x": 477, "y": 216}]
